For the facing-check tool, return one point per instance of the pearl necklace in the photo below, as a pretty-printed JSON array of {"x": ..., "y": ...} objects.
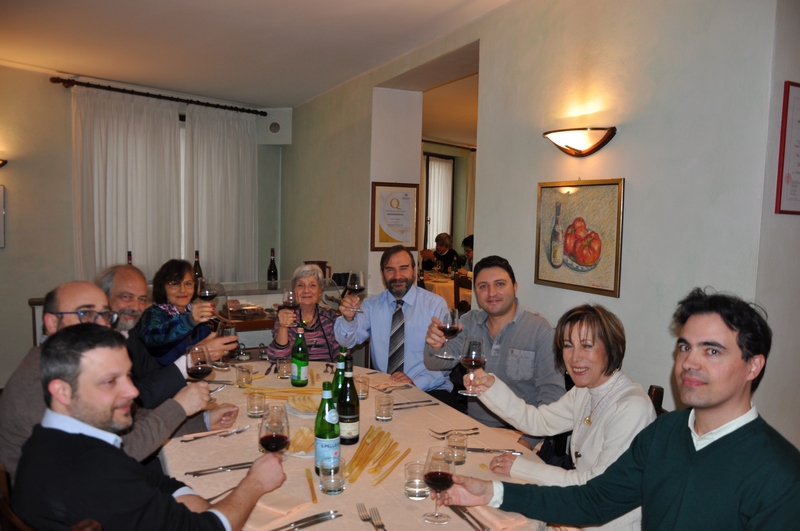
[{"x": 588, "y": 419}]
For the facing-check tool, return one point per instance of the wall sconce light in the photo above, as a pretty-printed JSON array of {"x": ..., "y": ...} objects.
[
  {"x": 582, "y": 141},
  {"x": 3, "y": 163}
]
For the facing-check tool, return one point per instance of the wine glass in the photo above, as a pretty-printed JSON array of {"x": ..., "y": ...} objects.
[
  {"x": 472, "y": 357},
  {"x": 273, "y": 434},
  {"x": 438, "y": 475},
  {"x": 198, "y": 363},
  {"x": 356, "y": 283},
  {"x": 450, "y": 327},
  {"x": 290, "y": 301},
  {"x": 206, "y": 289}
]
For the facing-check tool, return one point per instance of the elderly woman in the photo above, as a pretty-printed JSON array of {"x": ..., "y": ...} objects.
[
  {"x": 444, "y": 252},
  {"x": 605, "y": 409},
  {"x": 307, "y": 283},
  {"x": 173, "y": 322}
]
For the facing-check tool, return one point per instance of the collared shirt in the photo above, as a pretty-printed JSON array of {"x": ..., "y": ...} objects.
[
  {"x": 57, "y": 421},
  {"x": 701, "y": 441},
  {"x": 375, "y": 321}
]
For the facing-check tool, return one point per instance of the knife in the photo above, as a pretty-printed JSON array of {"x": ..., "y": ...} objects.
[
  {"x": 412, "y": 407},
  {"x": 409, "y": 403},
  {"x": 460, "y": 512},
  {"x": 481, "y": 524},
  {"x": 210, "y": 381},
  {"x": 309, "y": 521},
  {"x": 223, "y": 468},
  {"x": 493, "y": 451}
]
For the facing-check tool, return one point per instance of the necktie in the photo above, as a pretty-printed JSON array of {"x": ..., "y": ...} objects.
[{"x": 397, "y": 337}]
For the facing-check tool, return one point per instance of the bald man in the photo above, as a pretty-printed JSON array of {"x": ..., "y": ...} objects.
[{"x": 22, "y": 404}]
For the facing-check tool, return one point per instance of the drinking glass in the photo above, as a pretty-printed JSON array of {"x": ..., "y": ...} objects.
[
  {"x": 472, "y": 357},
  {"x": 356, "y": 283},
  {"x": 199, "y": 364},
  {"x": 273, "y": 434},
  {"x": 228, "y": 329},
  {"x": 206, "y": 289},
  {"x": 439, "y": 469},
  {"x": 450, "y": 327},
  {"x": 290, "y": 301}
]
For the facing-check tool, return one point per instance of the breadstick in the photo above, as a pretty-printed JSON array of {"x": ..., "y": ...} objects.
[
  {"x": 387, "y": 441},
  {"x": 360, "y": 450},
  {"x": 364, "y": 460},
  {"x": 383, "y": 476},
  {"x": 382, "y": 458}
]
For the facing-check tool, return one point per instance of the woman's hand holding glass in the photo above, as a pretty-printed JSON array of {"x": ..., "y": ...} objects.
[
  {"x": 287, "y": 318},
  {"x": 202, "y": 311},
  {"x": 351, "y": 304}
]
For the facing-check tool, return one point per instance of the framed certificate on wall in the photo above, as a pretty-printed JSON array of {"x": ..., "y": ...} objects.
[{"x": 394, "y": 215}]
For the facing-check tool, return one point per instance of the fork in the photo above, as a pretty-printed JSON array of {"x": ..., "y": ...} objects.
[
  {"x": 393, "y": 389},
  {"x": 443, "y": 437},
  {"x": 234, "y": 432},
  {"x": 364, "y": 515},
  {"x": 444, "y": 433},
  {"x": 377, "y": 523}
]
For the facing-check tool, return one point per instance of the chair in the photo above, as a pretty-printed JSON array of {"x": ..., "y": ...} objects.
[
  {"x": 656, "y": 394},
  {"x": 8, "y": 520},
  {"x": 461, "y": 282}
]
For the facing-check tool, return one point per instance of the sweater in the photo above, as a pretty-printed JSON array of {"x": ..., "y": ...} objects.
[{"x": 748, "y": 479}]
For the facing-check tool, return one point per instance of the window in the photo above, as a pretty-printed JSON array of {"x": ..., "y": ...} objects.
[{"x": 439, "y": 206}]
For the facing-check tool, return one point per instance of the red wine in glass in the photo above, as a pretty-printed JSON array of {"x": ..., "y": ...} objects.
[
  {"x": 473, "y": 363},
  {"x": 274, "y": 442},
  {"x": 289, "y": 306},
  {"x": 438, "y": 480},
  {"x": 207, "y": 295},
  {"x": 355, "y": 290},
  {"x": 200, "y": 372},
  {"x": 450, "y": 331}
]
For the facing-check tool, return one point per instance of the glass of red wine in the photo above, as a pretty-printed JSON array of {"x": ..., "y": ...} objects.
[
  {"x": 472, "y": 357},
  {"x": 450, "y": 327},
  {"x": 356, "y": 283},
  {"x": 273, "y": 434},
  {"x": 198, "y": 363},
  {"x": 290, "y": 301},
  {"x": 438, "y": 475},
  {"x": 206, "y": 289}
]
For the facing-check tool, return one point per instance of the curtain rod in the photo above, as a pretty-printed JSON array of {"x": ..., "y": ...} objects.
[
  {"x": 68, "y": 83},
  {"x": 461, "y": 146}
]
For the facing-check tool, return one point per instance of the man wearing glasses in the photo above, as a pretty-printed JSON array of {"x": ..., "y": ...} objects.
[{"x": 22, "y": 404}]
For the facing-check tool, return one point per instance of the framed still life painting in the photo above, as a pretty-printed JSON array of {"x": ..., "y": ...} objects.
[{"x": 579, "y": 235}]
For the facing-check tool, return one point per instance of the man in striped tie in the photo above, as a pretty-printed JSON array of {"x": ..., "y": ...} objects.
[{"x": 396, "y": 321}]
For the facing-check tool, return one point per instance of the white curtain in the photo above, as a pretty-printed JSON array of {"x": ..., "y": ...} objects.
[
  {"x": 126, "y": 180},
  {"x": 470, "y": 223},
  {"x": 440, "y": 197},
  {"x": 221, "y": 194}
]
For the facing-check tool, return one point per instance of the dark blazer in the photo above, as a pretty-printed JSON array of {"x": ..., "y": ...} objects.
[{"x": 155, "y": 383}]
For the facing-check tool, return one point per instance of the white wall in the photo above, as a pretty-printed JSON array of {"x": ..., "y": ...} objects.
[
  {"x": 778, "y": 286},
  {"x": 688, "y": 84}
]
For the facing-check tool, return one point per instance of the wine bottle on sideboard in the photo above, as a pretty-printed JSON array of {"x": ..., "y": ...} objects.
[
  {"x": 347, "y": 406},
  {"x": 272, "y": 271},
  {"x": 130, "y": 258}
]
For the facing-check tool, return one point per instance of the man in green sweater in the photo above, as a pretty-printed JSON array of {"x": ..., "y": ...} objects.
[{"x": 716, "y": 466}]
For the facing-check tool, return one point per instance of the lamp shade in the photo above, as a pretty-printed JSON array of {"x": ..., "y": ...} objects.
[{"x": 582, "y": 141}]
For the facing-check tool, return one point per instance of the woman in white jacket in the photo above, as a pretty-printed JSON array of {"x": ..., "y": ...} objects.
[{"x": 605, "y": 409}]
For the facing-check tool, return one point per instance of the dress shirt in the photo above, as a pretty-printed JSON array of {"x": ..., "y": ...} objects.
[
  {"x": 57, "y": 421},
  {"x": 701, "y": 441},
  {"x": 375, "y": 321}
]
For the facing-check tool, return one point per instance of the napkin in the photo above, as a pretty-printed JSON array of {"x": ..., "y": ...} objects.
[
  {"x": 384, "y": 386},
  {"x": 498, "y": 520},
  {"x": 271, "y": 507}
]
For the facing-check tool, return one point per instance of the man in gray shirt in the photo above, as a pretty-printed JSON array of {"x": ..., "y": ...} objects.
[{"x": 519, "y": 342}]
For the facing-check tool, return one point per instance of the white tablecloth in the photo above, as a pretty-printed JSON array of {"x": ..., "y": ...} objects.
[{"x": 409, "y": 428}]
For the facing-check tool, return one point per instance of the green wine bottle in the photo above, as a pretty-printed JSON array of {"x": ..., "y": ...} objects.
[
  {"x": 326, "y": 428},
  {"x": 347, "y": 406},
  {"x": 338, "y": 376},
  {"x": 300, "y": 360}
]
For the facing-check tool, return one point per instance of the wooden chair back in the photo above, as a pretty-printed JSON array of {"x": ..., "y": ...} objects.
[
  {"x": 656, "y": 394},
  {"x": 461, "y": 282}
]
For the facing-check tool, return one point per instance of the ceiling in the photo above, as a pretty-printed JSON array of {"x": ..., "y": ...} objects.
[{"x": 260, "y": 54}]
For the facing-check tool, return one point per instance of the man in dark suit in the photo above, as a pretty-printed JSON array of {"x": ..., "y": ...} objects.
[{"x": 72, "y": 467}]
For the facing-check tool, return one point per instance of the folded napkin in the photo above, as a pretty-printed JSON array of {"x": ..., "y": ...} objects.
[
  {"x": 384, "y": 386},
  {"x": 271, "y": 507},
  {"x": 190, "y": 436},
  {"x": 498, "y": 520}
]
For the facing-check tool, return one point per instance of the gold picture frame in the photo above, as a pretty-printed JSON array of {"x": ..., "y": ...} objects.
[
  {"x": 394, "y": 215},
  {"x": 590, "y": 255}
]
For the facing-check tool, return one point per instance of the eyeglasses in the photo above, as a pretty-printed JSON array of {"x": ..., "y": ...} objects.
[
  {"x": 189, "y": 284},
  {"x": 91, "y": 316}
]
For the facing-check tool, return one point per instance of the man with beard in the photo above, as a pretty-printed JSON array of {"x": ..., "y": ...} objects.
[
  {"x": 22, "y": 405},
  {"x": 72, "y": 467},
  {"x": 126, "y": 289},
  {"x": 714, "y": 466},
  {"x": 396, "y": 341},
  {"x": 519, "y": 343}
]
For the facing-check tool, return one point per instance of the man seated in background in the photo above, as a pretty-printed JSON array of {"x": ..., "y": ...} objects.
[
  {"x": 518, "y": 342},
  {"x": 444, "y": 252},
  {"x": 468, "y": 244},
  {"x": 22, "y": 405},
  {"x": 72, "y": 467},
  {"x": 395, "y": 322},
  {"x": 715, "y": 466}
]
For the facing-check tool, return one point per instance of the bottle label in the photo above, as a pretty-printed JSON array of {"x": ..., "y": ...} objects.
[
  {"x": 557, "y": 253},
  {"x": 325, "y": 448},
  {"x": 332, "y": 416},
  {"x": 299, "y": 372},
  {"x": 348, "y": 430},
  {"x": 340, "y": 365}
]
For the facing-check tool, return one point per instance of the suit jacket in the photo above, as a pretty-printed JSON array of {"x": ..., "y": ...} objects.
[
  {"x": 64, "y": 478},
  {"x": 22, "y": 407},
  {"x": 156, "y": 384}
]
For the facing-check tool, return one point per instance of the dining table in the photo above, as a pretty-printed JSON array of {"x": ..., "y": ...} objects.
[
  {"x": 445, "y": 288},
  {"x": 408, "y": 427}
]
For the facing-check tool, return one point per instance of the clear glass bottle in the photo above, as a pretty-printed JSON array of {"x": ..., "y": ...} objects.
[{"x": 326, "y": 428}]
